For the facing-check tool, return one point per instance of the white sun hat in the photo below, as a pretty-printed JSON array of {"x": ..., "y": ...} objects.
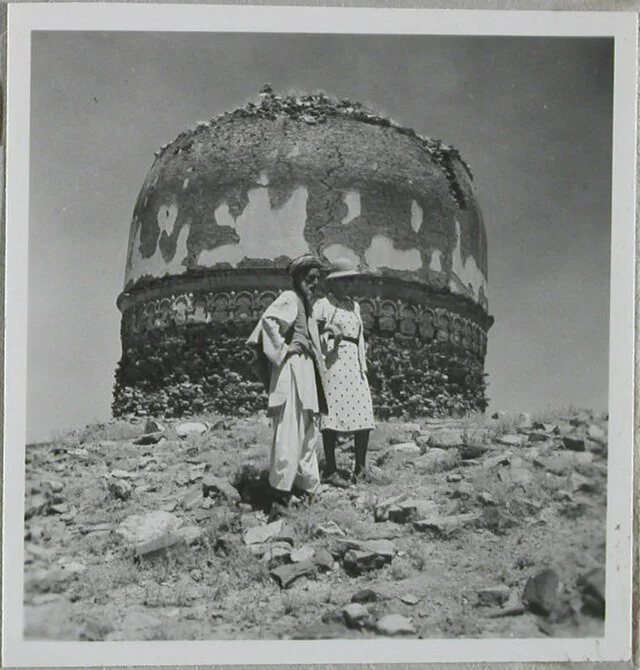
[{"x": 343, "y": 267}]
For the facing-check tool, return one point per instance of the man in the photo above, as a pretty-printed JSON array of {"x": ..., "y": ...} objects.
[{"x": 288, "y": 337}]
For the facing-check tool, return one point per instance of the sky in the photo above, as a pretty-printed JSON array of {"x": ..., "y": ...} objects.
[{"x": 532, "y": 117}]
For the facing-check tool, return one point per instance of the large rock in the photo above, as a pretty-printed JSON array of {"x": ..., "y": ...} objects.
[
  {"x": 191, "y": 428},
  {"x": 355, "y": 615},
  {"x": 494, "y": 596},
  {"x": 564, "y": 462},
  {"x": 437, "y": 460},
  {"x": 150, "y": 438},
  {"x": 364, "y": 596},
  {"x": 444, "y": 439},
  {"x": 216, "y": 487},
  {"x": 541, "y": 592},
  {"x": 119, "y": 488},
  {"x": 512, "y": 440},
  {"x": 444, "y": 526},
  {"x": 573, "y": 443},
  {"x": 409, "y": 448},
  {"x": 395, "y": 624},
  {"x": 592, "y": 587},
  {"x": 150, "y": 532},
  {"x": 285, "y": 575}
]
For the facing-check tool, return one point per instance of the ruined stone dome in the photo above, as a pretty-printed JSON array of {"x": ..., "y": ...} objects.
[{"x": 267, "y": 182}]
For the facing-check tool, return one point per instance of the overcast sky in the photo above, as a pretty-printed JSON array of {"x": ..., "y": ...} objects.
[{"x": 532, "y": 116}]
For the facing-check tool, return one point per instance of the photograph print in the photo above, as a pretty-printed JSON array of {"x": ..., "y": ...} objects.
[{"x": 319, "y": 328}]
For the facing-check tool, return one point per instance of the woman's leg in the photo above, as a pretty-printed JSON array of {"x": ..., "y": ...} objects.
[
  {"x": 361, "y": 439},
  {"x": 329, "y": 438}
]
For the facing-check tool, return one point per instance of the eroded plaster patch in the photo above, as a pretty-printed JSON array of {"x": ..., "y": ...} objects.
[
  {"x": 468, "y": 273},
  {"x": 223, "y": 216},
  {"x": 166, "y": 217},
  {"x": 264, "y": 232},
  {"x": 381, "y": 253},
  {"x": 156, "y": 266},
  {"x": 336, "y": 251},
  {"x": 352, "y": 201},
  {"x": 435, "y": 263},
  {"x": 416, "y": 216}
]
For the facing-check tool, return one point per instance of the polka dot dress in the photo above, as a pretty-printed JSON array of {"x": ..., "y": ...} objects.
[{"x": 347, "y": 388}]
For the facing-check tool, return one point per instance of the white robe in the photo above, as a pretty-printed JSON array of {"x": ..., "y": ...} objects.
[{"x": 293, "y": 397}]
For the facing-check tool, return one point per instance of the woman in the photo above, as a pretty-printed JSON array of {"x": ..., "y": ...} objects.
[
  {"x": 288, "y": 338},
  {"x": 350, "y": 410}
]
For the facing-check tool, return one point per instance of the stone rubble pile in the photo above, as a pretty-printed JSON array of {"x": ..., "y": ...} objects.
[{"x": 491, "y": 491}]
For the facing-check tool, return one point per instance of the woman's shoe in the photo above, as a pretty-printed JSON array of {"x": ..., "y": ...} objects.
[{"x": 337, "y": 481}]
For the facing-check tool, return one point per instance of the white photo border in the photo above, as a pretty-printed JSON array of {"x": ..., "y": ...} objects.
[{"x": 24, "y": 18}]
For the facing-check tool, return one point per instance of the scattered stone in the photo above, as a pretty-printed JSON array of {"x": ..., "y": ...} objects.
[
  {"x": 592, "y": 587},
  {"x": 276, "y": 552},
  {"x": 437, "y": 460},
  {"x": 37, "y": 552},
  {"x": 410, "y": 599},
  {"x": 445, "y": 439},
  {"x": 357, "y": 561},
  {"x": 54, "y": 486},
  {"x": 122, "y": 474},
  {"x": 262, "y": 534},
  {"x": 364, "y": 596},
  {"x": 494, "y": 596},
  {"x": 517, "y": 474},
  {"x": 535, "y": 437},
  {"x": 216, "y": 487},
  {"x": 153, "y": 426},
  {"x": 191, "y": 428},
  {"x": 501, "y": 459},
  {"x": 464, "y": 491},
  {"x": 197, "y": 471},
  {"x": 285, "y": 575},
  {"x": 151, "y": 531},
  {"x": 191, "y": 498},
  {"x": 119, "y": 489},
  {"x": 395, "y": 624},
  {"x": 512, "y": 440},
  {"x": 333, "y": 616},
  {"x": 507, "y": 610},
  {"x": 35, "y": 504},
  {"x": 60, "y": 508},
  {"x": 444, "y": 526},
  {"x": 409, "y": 510},
  {"x": 541, "y": 592},
  {"x": 304, "y": 553},
  {"x": 190, "y": 534},
  {"x": 471, "y": 451},
  {"x": 381, "y": 512},
  {"x": 407, "y": 448},
  {"x": 563, "y": 462},
  {"x": 597, "y": 434},
  {"x": 573, "y": 443},
  {"x": 355, "y": 615},
  {"x": 454, "y": 478},
  {"x": 486, "y": 498},
  {"x": 150, "y": 438},
  {"x": 496, "y": 520},
  {"x": 323, "y": 559}
]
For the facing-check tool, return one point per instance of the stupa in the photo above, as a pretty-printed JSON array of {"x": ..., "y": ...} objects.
[{"x": 226, "y": 205}]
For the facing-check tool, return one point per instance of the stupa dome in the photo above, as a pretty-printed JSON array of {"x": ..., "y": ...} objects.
[{"x": 227, "y": 204}]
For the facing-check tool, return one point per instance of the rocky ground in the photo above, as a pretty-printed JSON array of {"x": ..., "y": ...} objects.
[{"x": 466, "y": 528}]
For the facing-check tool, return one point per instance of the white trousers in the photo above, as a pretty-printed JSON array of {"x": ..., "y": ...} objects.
[{"x": 294, "y": 461}]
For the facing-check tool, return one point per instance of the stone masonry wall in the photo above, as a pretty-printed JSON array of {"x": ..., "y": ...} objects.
[{"x": 186, "y": 355}]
